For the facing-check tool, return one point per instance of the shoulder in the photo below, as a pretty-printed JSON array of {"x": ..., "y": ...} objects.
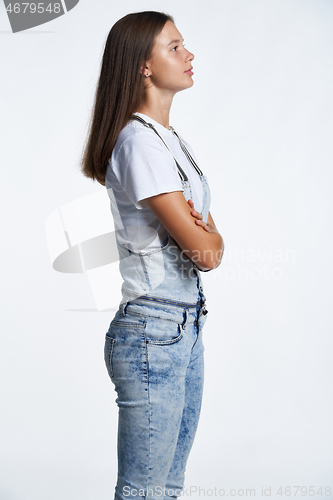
[{"x": 135, "y": 137}]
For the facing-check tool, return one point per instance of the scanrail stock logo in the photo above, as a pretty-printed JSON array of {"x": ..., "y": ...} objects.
[{"x": 25, "y": 15}]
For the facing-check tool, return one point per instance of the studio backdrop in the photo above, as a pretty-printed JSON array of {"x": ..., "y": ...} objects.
[{"x": 260, "y": 120}]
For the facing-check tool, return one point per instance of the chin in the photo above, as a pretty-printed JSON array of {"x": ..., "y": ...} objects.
[{"x": 189, "y": 83}]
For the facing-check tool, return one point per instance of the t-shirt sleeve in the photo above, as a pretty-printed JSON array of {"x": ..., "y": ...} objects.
[{"x": 144, "y": 167}]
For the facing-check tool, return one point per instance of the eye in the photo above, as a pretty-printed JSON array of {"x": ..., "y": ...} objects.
[{"x": 174, "y": 48}]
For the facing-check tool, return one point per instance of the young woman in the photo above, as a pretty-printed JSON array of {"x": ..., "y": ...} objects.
[{"x": 165, "y": 236}]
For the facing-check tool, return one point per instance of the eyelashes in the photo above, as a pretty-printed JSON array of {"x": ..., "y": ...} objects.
[{"x": 176, "y": 46}]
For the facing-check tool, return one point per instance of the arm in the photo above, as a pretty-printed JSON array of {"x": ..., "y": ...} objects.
[
  {"x": 208, "y": 226},
  {"x": 213, "y": 228},
  {"x": 203, "y": 247}
]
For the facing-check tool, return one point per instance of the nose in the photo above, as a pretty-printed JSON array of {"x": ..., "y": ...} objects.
[{"x": 189, "y": 55}]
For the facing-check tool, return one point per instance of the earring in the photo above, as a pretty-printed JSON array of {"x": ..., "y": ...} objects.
[{"x": 146, "y": 75}]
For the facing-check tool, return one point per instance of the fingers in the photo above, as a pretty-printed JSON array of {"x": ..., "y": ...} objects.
[
  {"x": 196, "y": 214},
  {"x": 203, "y": 224},
  {"x": 199, "y": 218},
  {"x": 193, "y": 212}
]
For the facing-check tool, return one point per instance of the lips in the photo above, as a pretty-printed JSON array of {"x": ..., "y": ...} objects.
[{"x": 189, "y": 70}]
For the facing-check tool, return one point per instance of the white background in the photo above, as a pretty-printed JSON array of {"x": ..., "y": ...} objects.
[{"x": 259, "y": 118}]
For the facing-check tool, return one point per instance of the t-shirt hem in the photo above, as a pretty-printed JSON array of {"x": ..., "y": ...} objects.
[{"x": 170, "y": 189}]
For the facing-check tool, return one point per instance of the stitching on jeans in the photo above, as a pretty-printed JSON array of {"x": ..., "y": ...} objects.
[
  {"x": 199, "y": 331},
  {"x": 110, "y": 356},
  {"x": 145, "y": 270},
  {"x": 149, "y": 405},
  {"x": 166, "y": 342},
  {"x": 185, "y": 322},
  {"x": 146, "y": 353},
  {"x": 160, "y": 300},
  {"x": 159, "y": 317},
  {"x": 127, "y": 324},
  {"x": 149, "y": 415}
]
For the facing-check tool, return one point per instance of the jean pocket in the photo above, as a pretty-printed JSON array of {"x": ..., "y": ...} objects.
[
  {"x": 108, "y": 351},
  {"x": 160, "y": 331}
]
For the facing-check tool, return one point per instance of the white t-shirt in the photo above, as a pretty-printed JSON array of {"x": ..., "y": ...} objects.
[{"x": 141, "y": 166}]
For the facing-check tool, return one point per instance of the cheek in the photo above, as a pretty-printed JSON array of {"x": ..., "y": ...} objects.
[{"x": 165, "y": 71}]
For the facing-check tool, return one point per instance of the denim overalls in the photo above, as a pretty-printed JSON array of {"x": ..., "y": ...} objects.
[{"x": 154, "y": 356}]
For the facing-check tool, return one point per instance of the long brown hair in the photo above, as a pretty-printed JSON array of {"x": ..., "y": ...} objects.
[{"x": 120, "y": 89}]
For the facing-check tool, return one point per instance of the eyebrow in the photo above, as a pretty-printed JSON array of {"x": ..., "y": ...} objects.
[{"x": 174, "y": 41}]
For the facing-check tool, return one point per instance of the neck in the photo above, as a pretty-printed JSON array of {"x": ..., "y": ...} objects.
[{"x": 157, "y": 106}]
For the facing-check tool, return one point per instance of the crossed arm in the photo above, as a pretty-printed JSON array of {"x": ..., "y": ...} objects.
[{"x": 199, "y": 240}]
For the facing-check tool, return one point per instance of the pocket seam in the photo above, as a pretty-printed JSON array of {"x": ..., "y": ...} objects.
[{"x": 167, "y": 342}]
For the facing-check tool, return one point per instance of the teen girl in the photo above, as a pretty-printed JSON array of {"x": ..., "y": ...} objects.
[{"x": 165, "y": 236}]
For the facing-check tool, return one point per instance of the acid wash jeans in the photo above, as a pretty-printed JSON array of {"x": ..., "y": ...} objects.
[{"x": 154, "y": 356}]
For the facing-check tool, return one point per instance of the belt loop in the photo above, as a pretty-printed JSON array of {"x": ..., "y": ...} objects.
[
  {"x": 185, "y": 320},
  {"x": 123, "y": 308}
]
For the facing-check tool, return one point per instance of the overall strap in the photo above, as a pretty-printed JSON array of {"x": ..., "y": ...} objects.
[
  {"x": 186, "y": 152},
  {"x": 181, "y": 172}
]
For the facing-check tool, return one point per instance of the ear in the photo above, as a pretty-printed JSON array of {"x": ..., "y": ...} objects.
[{"x": 145, "y": 69}]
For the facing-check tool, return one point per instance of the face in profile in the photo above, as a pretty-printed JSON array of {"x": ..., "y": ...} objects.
[{"x": 170, "y": 64}]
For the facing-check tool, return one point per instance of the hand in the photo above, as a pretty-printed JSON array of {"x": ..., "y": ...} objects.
[
  {"x": 201, "y": 246},
  {"x": 198, "y": 218}
]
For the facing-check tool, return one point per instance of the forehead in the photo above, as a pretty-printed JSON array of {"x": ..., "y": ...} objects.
[{"x": 168, "y": 33}]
